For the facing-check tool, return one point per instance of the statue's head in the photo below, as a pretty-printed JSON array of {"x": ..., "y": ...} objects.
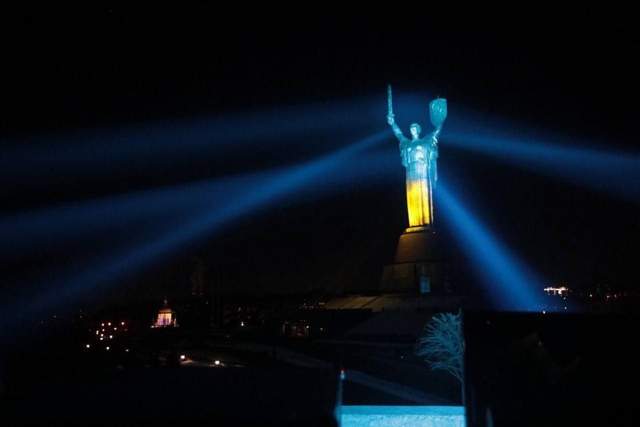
[{"x": 415, "y": 130}]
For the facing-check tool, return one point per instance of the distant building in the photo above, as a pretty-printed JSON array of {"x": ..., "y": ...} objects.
[
  {"x": 557, "y": 291},
  {"x": 166, "y": 317},
  {"x": 296, "y": 329}
]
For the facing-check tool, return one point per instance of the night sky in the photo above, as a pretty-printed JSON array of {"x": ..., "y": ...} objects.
[{"x": 116, "y": 69}]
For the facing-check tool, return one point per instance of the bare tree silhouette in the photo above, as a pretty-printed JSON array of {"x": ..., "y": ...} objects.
[{"x": 442, "y": 345}]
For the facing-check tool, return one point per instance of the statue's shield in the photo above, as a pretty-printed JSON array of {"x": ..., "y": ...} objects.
[{"x": 438, "y": 111}]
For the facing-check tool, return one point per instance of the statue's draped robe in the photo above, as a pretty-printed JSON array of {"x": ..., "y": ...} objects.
[{"x": 419, "y": 158}]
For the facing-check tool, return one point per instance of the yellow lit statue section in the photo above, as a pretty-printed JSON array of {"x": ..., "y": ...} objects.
[
  {"x": 419, "y": 201},
  {"x": 419, "y": 157}
]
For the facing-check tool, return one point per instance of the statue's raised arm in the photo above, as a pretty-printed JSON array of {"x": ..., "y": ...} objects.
[{"x": 391, "y": 117}]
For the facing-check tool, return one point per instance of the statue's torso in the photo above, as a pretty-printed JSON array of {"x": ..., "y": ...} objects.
[{"x": 416, "y": 151}]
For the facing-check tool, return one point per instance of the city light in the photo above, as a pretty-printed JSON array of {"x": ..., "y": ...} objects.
[
  {"x": 217, "y": 363},
  {"x": 560, "y": 291},
  {"x": 183, "y": 357}
]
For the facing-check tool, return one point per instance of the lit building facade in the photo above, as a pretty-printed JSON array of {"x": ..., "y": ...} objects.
[{"x": 165, "y": 318}]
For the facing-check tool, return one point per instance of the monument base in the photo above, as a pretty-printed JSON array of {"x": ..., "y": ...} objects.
[{"x": 418, "y": 266}]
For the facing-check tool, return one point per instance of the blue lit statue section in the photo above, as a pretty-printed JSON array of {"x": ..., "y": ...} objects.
[{"x": 420, "y": 158}]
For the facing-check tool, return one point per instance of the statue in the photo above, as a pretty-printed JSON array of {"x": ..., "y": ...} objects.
[{"x": 420, "y": 158}]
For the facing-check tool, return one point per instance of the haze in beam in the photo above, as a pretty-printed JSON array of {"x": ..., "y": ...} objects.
[
  {"x": 609, "y": 171},
  {"x": 140, "y": 211},
  {"x": 102, "y": 151},
  {"x": 27, "y": 230},
  {"x": 510, "y": 284},
  {"x": 256, "y": 192}
]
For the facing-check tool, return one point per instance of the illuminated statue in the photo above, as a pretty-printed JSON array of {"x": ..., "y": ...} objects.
[{"x": 420, "y": 158}]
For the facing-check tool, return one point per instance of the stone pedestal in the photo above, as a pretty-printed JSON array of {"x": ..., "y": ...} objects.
[{"x": 418, "y": 266}]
